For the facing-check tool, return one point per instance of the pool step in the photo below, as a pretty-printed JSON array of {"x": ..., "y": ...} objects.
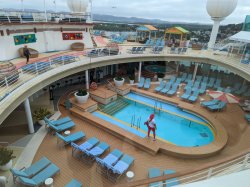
[{"x": 114, "y": 107}]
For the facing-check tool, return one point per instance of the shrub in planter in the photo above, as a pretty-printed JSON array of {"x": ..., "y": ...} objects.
[
  {"x": 81, "y": 96},
  {"x": 39, "y": 115},
  {"x": 6, "y": 157},
  {"x": 119, "y": 81},
  {"x": 81, "y": 92},
  {"x": 131, "y": 79}
]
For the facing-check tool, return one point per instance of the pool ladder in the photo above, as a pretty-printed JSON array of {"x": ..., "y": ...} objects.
[
  {"x": 156, "y": 108},
  {"x": 135, "y": 122}
]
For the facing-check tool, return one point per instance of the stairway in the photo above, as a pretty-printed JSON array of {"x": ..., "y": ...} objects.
[
  {"x": 115, "y": 106},
  {"x": 93, "y": 41}
]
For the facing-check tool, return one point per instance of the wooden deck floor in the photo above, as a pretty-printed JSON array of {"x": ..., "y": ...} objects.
[{"x": 232, "y": 119}]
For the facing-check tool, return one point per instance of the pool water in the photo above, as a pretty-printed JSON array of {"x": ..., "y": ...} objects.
[
  {"x": 158, "y": 69},
  {"x": 173, "y": 125}
]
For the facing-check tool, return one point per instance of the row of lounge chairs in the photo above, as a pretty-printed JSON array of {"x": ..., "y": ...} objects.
[
  {"x": 156, "y": 172},
  {"x": 179, "y": 50},
  {"x": 169, "y": 88},
  {"x": 187, "y": 96},
  {"x": 114, "y": 165},
  {"x": 144, "y": 83},
  {"x": 158, "y": 43},
  {"x": 214, "y": 105},
  {"x": 37, "y": 173},
  {"x": 137, "y": 50}
]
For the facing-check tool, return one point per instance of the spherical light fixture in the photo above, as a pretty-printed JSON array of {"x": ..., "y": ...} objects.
[
  {"x": 218, "y": 10},
  {"x": 78, "y": 6}
]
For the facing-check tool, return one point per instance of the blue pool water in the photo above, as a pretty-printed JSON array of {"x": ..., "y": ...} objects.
[
  {"x": 158, "y": 69},
  {"x": 189, "y": 130}
]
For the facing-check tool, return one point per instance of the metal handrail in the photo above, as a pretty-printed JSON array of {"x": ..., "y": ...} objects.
[
  {"x": 24, "y": 76},
  {"x": 232, "y": 165}
]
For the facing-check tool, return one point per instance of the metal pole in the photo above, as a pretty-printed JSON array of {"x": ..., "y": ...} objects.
[
  {"x": 195, "y": 71},
  {"x": 45, "y": 11},
  {"x": 87, "y": 79}
]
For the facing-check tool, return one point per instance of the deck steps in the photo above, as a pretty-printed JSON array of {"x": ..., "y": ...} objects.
[{"x": 114, "y": 107}]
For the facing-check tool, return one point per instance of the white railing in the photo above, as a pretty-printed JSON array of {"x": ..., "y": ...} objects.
[
  {"x": 40, "y": 16},
  {"x": 26, "y": 73},
  {"x": 236, "y": 165}
]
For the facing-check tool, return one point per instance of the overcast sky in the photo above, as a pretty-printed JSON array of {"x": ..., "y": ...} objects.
[{"x": 169, "y": 10}]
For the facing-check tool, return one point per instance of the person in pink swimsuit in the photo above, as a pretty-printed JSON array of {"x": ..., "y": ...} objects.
[{"x": 151, "y": 125}]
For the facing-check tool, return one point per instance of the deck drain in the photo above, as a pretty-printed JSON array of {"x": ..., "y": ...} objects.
[{"x": 204, "y": 135}]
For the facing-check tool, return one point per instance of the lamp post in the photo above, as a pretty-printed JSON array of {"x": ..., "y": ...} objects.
[{"x": 219, "y": 10}]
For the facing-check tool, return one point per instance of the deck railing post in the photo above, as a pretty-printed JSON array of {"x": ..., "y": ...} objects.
[
  {"x": 6, "y": 81},
  {"x": 50, "y": 63},
  {"x": 36, "y": 68},
  {"x": 209, "y": 174},
  {"x": 245, "y": 161}
]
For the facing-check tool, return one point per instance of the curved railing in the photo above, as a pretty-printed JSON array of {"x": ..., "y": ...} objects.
[
  {"x": 29, "y": 72},
  {"x": 221, "y": 167}
]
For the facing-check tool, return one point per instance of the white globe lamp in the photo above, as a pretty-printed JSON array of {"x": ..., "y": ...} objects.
[
  {"x": 78, "y": 7},
  {"x": 218, "y": 10}
]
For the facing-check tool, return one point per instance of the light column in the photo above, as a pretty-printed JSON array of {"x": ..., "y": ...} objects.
[
  {"x": 214, "y": 32},
  {"x": 87, "y": 79},
  {"x": 29, "y": 116},
  {"x": 195, "y": 71},
  {"x": 139, "y": 73}
]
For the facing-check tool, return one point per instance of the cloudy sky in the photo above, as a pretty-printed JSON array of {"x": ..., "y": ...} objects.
[{"x": 169, "y": 10}]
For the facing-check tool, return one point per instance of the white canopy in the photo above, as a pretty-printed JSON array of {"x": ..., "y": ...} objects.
[{"x": 242, "y": 36}]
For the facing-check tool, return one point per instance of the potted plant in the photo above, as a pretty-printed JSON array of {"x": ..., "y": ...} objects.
[
  {"x": 119, "y": 81},
  {"x": 39, "y": 115},
  {"x": 81, "y": 96},
  {"x": 132, "y": 79},
  {"x": 160, "y": 76},
  {"x": 6, "y": 157}
]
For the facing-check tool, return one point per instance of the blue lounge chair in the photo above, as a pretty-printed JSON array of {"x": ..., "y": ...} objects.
[
  {"x": 159, "y": 88},
  {"x": 217, "y": 107},
  {"x": 141, "y": 83},
  {"x": 85, "y": 146},
  {"x": 32, "y": 170},
  {"x": 211, "y": 82},
  {"x": 172, "y": 79},
  {"x": 74, "y": 183},
  {"x": 198, "y": 78},
  {"x": 96, "y": 151},
  {"x": 173, "y": 90},
  {"x": 57, "y": 122},
  {"x": 208, "y": 103},
  {"x": 39, "y": 178},
  {"x": 120, "y": 167},
  {"x": 227, "y": 90},
  {"x": 178, "y": 81},
  {"x": 147, "y": 43},
  {"x": 196, "y": 86},
  {"x": 62, "y": 127},
  {"x": 189, "y": 84},
  {"x": 104, "y": 164},
  {"x": 247, "y": 117},
  {"x": 241, "y": 90},
  {"x": 70, "y": 138},
  {"x": 205, "y": 79},
  {"x": 247, "y": 94},
  {"x": 187, "y": 93},
  {"x": 183, "y": 77},
  {"x": 203, "y": 88},
  {"x": 235, "y": 87},
  {"x": 189, "y": 77},
  {"x": 152, "y": 173},
  {"x": 147, "y": 83},
  {"x": 167, "y": 88},
  {"x": 194, "y": 96},
  {"x": 173, "y": 181},
  {"x": 217, "y": 84}
]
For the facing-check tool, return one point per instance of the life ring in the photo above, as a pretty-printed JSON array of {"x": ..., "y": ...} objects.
[{"x": 93, "y": 85}]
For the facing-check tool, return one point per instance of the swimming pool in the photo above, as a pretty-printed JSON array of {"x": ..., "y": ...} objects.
[
  {"x": 173, "y": 125},
  {"x": 158, "y": 69}
]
